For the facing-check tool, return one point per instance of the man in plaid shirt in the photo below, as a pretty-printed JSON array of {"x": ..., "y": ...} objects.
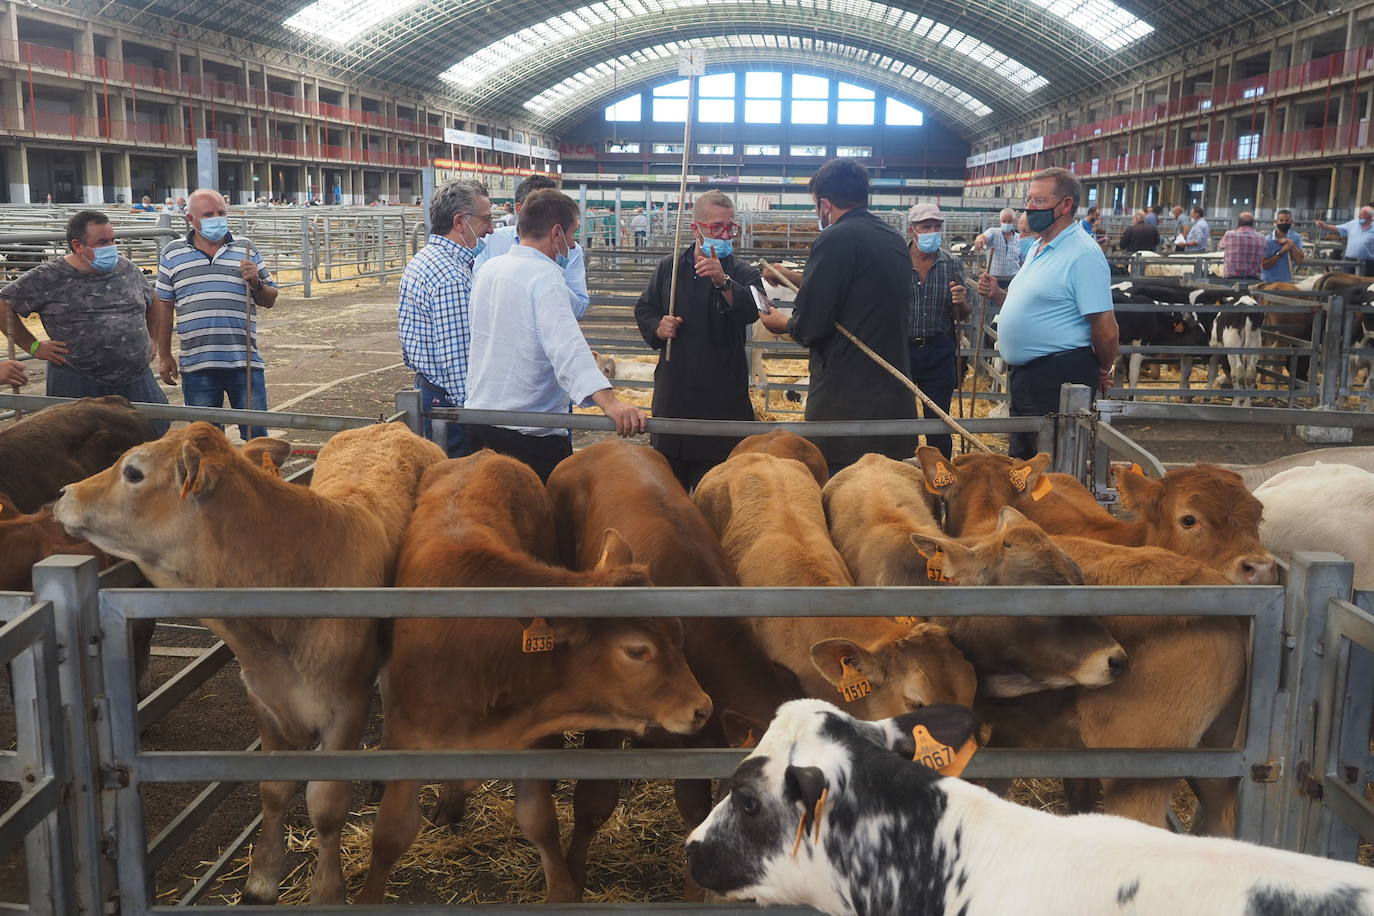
[
  {"x": 1242, "y": 250},
  {"x": 434, "y": 299}
]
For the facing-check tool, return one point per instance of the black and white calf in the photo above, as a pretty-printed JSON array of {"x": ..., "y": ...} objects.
[
  {"x": 1155, "y": 329},
  {"x": 892, "y": 837}
]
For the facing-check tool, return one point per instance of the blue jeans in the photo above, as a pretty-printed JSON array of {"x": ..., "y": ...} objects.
[
  {"x": 431, "y": 395},
  {"x": 207, "y": 388},
  {"x": 62, "y": 382},
  {"x": 932, "y": 369}
]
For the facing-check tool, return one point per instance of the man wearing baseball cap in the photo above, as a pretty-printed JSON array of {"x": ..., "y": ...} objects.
[{"x": 939, "y": 300}]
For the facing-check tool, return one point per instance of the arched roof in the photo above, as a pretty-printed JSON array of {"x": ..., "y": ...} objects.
[{"x": 990, "y": 49}]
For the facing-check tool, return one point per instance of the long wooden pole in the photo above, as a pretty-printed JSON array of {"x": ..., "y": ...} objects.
[
  {"x": 9, "y": 333},
  {"x": 893, "y": 371},
  {"x": 681, "y": 202}
]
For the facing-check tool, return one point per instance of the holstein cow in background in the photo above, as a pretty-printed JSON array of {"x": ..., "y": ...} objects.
[
  {"x": 633, "y": 489},
  {"x": 193, "y": 512},
  {"x": 785, "y": 444},
  {"x": 1183, "y": 686},
  {"x": 1155, "y": 329},
  {"x": 486, "y": 521},
  {"x": 1324, "y": 507},
  {"x": 63, "y": 444},
  {"x": 832, "y": 812},
  {"x": 767, "y": 513},
  {"x": 878, "y": 508}
]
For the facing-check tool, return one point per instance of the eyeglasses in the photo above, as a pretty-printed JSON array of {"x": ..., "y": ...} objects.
[
  {"x": 1042, "y": 203},
  {"x": 720, "y": 230}
]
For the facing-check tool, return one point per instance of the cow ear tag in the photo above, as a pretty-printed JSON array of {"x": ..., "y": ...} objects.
[
  {"x": 853, "y": 684},
  {"x": 909, "y": 621},
  {"x": 1019, "y": 476},
  {"x": 938, "y": 756},
  {"x": 935, "y": 572},
  {"x": 537, "y": 637},
  {"x": 1042, "y": 486},
  {"x": 943, "y": 476},
  {"x": 1137, "y": 469}
]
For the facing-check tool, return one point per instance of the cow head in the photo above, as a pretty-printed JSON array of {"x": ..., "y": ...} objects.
[
  {"x": 1203, "y": 512},
  {"x": 913, "y": 669},
  {"x": 823, "y": 804},
  {"x": 976, "y": 486}
]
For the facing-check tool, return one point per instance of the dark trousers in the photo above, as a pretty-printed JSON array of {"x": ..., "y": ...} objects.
[
  {"x": 689, "y": 471},
  {"x": 431, "y": 395},
  {"x": 932, "y": 369},
  {"x": 62, "y": 382},
  {"x": 1366, "y": 268},
  {"x": 209, "y": 388},
  {"x": 1035, "y": 390},
  {"x": 540, "y": 452}
]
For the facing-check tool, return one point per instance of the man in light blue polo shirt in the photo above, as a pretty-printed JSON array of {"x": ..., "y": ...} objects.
[
  {"x": 1056, "y": 326},
  {"x": 1359, "y": 239},
  {"x": 1199, "y": 236},
  {"x": 1282, "y": 249},
  {"x": 505, "y": 238}
]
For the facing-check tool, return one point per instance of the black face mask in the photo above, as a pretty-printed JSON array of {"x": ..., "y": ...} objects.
[{"x": 1283, "y": 227}]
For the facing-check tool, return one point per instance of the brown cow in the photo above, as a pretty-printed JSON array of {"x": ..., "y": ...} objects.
[
  {"x": 486, "y": 521},
  {"x": 786, "y": 444},
  {"x": 66, "y": 443},
  {"x": 194, "y": 512},
  {"x": 878, "y": 506},
  {"x": 1183, "y": 686},
  {"x": 1203, "y": 512},
  {"x": 768, "y": 515},
  {"x": 633, "y": 489}
]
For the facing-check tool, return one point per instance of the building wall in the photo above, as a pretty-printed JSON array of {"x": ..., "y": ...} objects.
[{"x": 1280, "y": 122}]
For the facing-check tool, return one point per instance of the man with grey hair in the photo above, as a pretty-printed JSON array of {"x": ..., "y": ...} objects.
[
  {"x": 1141, "y": 235},
  {"x": 1004, "y": 249},
  {"x": 1056, "y": 326},
  {"x": 435, "y": 299}
]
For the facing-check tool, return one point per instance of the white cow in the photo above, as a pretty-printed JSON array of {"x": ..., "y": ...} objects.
[
  {"x": 1361, "y": 456},
  {"x": 1322, "y": 507}
]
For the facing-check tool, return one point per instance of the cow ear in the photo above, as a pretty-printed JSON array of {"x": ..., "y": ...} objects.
[
  {"x": 1009, "y": 516},
  {"x": 740, "y": 730},
  {"x": 267, "y": 453},
  {"x": 939, "y": 474},
  {"x": 1139, "y": 494},
  {"x": 805, "y": 785},
  {"x": 1029, "y": 476},
  {"x": 195, "y": 470},
  {"x": 943, "y": 725},
  {"x": 615, "y": 551},
  {"x": 832, "y": 656},
  {"x": 953, "y": 557}
]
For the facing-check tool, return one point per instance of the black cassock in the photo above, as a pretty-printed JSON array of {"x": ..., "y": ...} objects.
[{"x": 708, "y": 376}]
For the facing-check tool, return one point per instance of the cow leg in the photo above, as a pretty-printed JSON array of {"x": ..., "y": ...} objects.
[
  {"x": 1217, "y": 798},
  {"x": 141, "y": 632},
  {"x": 594, "y": 801},
  {"x": 1133, "y": 367},
  {"x": 398, "y": 821},
  {"x": 538, "y": 820},
  {"x": 268, "y": 863},
  {"x": 328, "y": 802},
  {"x": 452, "y": 805},
  {"x": 1185, "y": 375},
  {"x": 693, "y": 798},
  {"x": 1081, "y": 795}
]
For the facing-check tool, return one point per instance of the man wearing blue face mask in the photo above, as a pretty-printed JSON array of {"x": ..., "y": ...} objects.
[
  {"x": 708, "y": 376},
  {"x": 205, "y": 282},
  {"x": 506, "y": 237},
  {"x": 95, "y": 306},
  {"x": 939, "y": 300},
  {"x": 433, "y": 320}
]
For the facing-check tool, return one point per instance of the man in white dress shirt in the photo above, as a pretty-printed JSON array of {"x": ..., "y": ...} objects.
[{"x": 527, "y": 352}]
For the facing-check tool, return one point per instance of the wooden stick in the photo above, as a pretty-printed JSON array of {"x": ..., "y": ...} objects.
[
  {"x": 681, "y": 201},
  {"x": 9, "y": 333}
]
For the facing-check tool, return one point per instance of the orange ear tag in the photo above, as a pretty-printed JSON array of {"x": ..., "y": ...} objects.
[
  {"x": 908, "y": 621},
  {"x": 935, "y": 572},
  {"x": 537, "y": 637},
  {"x": 944, "y": 476},
  {"x": 940, "y": 757},
  {"x": 1137, "y": 469},
  {"x": 853, "y": 684},
  {"x": 1019, "y": 476},
  {"x": 1042, "y": 486}
]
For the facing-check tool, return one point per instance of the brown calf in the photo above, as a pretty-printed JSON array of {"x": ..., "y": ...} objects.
[
  {"x": 785, "y": 444},
  {"x": 194, "y": 512},
  {"x": 486, "y": 521}
]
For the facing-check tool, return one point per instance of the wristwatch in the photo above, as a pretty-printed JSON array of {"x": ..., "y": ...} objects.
[{"x": 726, "y": 285}]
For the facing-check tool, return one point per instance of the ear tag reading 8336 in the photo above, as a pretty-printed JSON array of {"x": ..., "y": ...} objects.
[
  {"x": 939, "y": 756},
  {"x": 537, "y": 637},
  {"x": 853, "y": 685}
]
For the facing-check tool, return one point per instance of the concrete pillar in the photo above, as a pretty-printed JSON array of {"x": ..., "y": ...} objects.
[
  {"x": 123, "y": 179},
  {"x": 17, "y": 169},
  {"x": 180, "y": 183},
  {"x": 92, "y": 179}
]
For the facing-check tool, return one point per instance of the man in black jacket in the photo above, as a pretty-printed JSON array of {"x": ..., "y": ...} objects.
[
  {"x": 858, "y": 275},
  {"x": 708, "y": 376}
]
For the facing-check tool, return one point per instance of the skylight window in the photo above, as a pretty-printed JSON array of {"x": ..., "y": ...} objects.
[
  {"x": 900, "y": 114},
  {"x": 1100, "y": 19},
  {"x": 485, "y": 63},
  {"x": 341, "y": 21}
]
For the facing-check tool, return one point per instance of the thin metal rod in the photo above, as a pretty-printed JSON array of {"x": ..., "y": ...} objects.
[
  {"x": 322, "y": 422},
  {"x": 681, "y": 202}
]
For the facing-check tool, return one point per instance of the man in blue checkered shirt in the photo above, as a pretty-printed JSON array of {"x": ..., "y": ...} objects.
[{"x": 435, "y": 295}]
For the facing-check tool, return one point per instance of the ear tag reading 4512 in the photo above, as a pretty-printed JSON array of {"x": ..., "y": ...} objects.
[
  {"x": 853, "y": 684},
  {"x": 537, "y": 637}
]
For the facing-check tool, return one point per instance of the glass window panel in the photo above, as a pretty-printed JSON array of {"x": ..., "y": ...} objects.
[
  {"x": 668, "y": 148},
  {"x": 900, "y": 114},
  {"x": 850, "y": 91},
  {"x": 716, "y": 149},
  {"x": 810, "y": 87},
  {"x": 807, "y": 151},
  {"x": 716, "y": 111},
  {"x": 760, "y": 85},
  {"x": 677, "y": 90},
  {"x": 762, "y": 149},
  {"x": 810, "y": 112},
  {"x": 717, "y": 86},
  {"x": 763, "y": 111},
  {"x": 628, "y": 109},
  {"x": 854, "y": 152},
  {"x": 621, "y": 146},
  {"x": 855, "y": 113},
  {"x": 670, "y": 109}
]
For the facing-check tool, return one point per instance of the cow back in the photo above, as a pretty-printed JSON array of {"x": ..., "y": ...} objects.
[
  {"x": 872, "y": 508},
  {"x": 786, "y": 444}
]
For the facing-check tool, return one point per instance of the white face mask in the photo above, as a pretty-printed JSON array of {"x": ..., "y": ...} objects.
[{"x": 1008, "y": 227}]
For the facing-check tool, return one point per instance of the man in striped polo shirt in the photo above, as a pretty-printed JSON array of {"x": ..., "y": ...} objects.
[{"x": 207, "y": 277}]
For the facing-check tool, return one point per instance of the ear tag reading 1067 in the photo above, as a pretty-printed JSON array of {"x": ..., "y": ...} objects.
[
  {"x": 853, "y": 685},
  {"x": 939, "y": 756},
  {"x": 537, "y": 637}
]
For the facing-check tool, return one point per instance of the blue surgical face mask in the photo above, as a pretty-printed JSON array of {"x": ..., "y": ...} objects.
[
  {"x": 721, "y": 248},
  {"x": 1008, "y": 227},
  {"x": 106, "y": 257},
  {"x": 561, "y": 259},
  {"x": 214, "y": 228},
  {"x": 928, "y": 242}
]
